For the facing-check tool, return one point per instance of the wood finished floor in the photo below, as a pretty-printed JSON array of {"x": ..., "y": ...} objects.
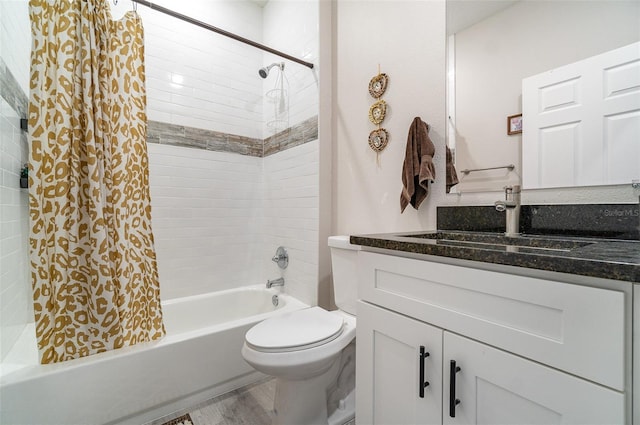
[{"x": 250, "y": 405}]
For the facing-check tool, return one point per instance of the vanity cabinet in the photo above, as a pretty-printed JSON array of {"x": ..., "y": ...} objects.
[{"x": 529, "y": 350}]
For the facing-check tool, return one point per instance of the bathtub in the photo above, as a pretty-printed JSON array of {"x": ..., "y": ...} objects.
[{"x": 199, "y": 358}]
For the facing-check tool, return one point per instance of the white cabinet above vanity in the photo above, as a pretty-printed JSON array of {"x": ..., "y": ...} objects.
[{"x": 505, "y": 344}]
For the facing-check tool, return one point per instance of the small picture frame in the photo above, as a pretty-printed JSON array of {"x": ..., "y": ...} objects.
[{"x": 514, "y": 124}]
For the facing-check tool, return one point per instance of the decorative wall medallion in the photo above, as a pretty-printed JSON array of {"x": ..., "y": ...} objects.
[
  {"x": 377, "y": 111},
  {"x": 378, "y": 85},
  {"x": 378, "y": 139}
]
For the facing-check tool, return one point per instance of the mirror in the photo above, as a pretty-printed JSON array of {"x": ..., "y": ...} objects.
[{"x": 492, "y": 46}]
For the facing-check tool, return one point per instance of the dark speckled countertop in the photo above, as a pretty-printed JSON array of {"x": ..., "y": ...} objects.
[{"x": 596, "y": 257}]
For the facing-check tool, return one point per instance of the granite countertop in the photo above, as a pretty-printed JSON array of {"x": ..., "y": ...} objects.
[{"x": 603, "y": 258}]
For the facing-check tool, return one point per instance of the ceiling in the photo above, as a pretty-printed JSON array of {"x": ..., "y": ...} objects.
[{"x": 462, "y": 14}]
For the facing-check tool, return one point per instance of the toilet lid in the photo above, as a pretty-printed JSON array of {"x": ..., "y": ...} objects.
[{"x": 297, "y": 330}]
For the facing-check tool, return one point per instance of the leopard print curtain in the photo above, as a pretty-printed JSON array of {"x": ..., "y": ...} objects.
[{"x": 93, "y": 263}]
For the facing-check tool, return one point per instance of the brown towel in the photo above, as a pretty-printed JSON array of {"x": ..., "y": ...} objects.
[
  {"x": 418, "y": 169},
  {"x": 452, "y": 175}
]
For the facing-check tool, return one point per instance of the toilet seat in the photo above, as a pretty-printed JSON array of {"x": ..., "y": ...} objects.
[{"x": 295, "y": 331}]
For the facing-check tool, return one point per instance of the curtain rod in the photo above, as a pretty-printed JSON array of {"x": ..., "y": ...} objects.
[{"x": 221, "y": 31}]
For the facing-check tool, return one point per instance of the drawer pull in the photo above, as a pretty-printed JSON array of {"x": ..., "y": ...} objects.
[
  {"x": 453, "y": 401},
  {"x": 422, "y": 384}
]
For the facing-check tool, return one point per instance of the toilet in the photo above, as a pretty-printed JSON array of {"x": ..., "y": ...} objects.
[{"x": 311, "y": 352}]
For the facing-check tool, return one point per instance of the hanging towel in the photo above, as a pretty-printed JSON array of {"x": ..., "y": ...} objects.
[
  {"x": 418, "y": 169},
  {"x": 452, "y": 175}
]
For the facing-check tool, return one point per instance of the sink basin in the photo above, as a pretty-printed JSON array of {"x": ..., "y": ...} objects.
[{"x": 498, "y": 241}]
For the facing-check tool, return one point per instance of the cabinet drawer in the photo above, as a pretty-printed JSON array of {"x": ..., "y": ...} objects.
[{"x": 574, "y": 328}]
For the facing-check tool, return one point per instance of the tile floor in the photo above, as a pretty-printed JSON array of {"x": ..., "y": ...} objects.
[{"x": 250, "y": 405}]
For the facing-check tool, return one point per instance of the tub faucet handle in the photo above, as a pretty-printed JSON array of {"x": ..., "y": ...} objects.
[{"x": 281, "y": 258}]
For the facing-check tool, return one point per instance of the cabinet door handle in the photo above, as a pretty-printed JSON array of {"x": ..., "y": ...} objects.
[
  {"x": 422, "y": 384},
  {"x": 453, "y": 401}
]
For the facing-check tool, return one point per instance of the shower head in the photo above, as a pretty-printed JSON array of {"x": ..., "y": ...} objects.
[{"x": 263, "y": 72}]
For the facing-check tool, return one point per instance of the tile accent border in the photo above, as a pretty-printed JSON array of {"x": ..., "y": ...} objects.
[
  {"x": 191, "y": 137},
  {"x": 299, "y": 134},
  {"x": 11, "y": 91}
]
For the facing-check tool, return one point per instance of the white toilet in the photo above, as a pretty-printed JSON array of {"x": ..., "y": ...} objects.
[{"x": 311, "y": 352}]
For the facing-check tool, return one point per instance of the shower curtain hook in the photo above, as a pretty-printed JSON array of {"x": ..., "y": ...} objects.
[
  {"x": 135, "y": 6},
  {"x": 115, "y": 2}
]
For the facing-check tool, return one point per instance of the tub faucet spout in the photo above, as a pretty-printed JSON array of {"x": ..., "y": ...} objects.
[{"x": 275, "y": 282}]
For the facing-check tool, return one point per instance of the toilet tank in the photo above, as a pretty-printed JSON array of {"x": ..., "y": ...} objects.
[{"x": 344, "y": 268}]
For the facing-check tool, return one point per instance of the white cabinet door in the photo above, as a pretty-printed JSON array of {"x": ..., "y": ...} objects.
[
  {"x": 388, "y": 369},
  {"x": 581, "y": 122},
  {"x": 495, "y": 387}
]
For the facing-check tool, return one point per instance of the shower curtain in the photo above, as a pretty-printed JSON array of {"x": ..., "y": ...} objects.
[{"x": 93, "y": 264}]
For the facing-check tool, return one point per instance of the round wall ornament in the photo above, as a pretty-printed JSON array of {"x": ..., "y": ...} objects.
[
  {"x": 378, "y": 139},
  {"x": 377, "y": 111},
  {"x": 378, "y": 85}
]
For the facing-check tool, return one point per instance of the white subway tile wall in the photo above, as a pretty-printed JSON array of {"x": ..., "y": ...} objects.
[
  {"x": 219, "y": 234},
  {"x": 199, "y": 78},
  {"x": 207, "y": 217},
  {"x": 15, "y": 39},
  {"x": 15, "y": 288},
  {"x": 291, "y": 218},
  {"x": 292, "y": 27},
  {"x": 291, "y": 177},
  {"x": 15, "y": 292}
]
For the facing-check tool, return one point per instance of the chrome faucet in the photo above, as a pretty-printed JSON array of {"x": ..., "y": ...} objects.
[
  {"x": 281, "y": 258},
  {"x": 275, "y": 282},
  {"x": 511, "y": 205}
]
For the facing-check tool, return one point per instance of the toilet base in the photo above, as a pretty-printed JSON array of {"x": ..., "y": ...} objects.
[
  {"x": 345, "y": 412},
  {"x": 297, "y": 403},
  {"x": 327, "y": 399},
  {"x": 301, "y": 402}
]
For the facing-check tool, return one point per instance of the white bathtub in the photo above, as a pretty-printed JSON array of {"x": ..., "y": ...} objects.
[{"x": 199, "y": 358}]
